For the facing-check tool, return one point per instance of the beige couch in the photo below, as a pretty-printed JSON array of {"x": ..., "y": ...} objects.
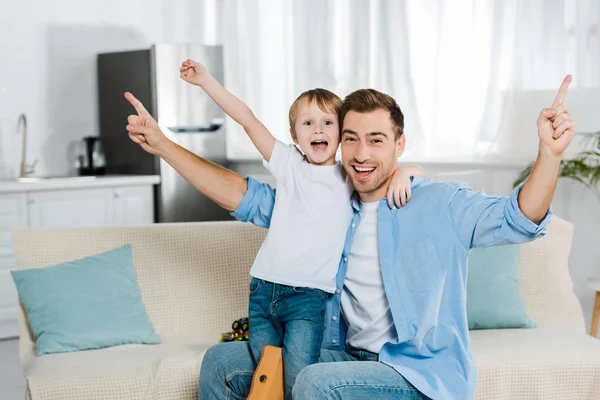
[{"x": 194, "y": 279}]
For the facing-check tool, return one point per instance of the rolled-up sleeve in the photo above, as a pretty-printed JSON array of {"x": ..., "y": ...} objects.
[
  {"x": 257, "y": 205},
  {"x": 520, "y": 221},
  {"x": 480, "y": 220}
]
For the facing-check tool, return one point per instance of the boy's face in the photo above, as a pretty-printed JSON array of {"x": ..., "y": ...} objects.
[
  {"x": 370, "y": 152},
  {"x": 317, "y": 134}
]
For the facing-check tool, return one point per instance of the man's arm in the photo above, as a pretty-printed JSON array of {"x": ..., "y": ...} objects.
[
  {"x": 221, "y": 185},
  {"x": 196, "y": 74},
  {"x": 480, "y": 220},
  {"x": 556, "y": 128},
  {"x": 224, "y": 187},
  {"x": 257, "y": 204}
]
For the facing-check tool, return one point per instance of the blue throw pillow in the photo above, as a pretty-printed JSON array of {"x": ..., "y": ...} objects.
[
  {"x": 494, "y": 298},
  {"x": 91, "y": 303}
]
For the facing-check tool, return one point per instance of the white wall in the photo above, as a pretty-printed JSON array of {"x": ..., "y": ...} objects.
[{"x": 48, "y": 66}]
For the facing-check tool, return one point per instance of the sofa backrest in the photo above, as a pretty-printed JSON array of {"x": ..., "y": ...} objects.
[
  {"x": 194, "y": 276},
  {"x": 546, "y": 284}
]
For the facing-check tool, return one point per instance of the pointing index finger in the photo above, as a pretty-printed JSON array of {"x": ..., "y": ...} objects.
[
  {"x": 562, "y": 92},
  {"x": 139, "y": 107}
]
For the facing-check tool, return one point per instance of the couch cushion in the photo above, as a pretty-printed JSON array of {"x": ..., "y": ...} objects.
[
  {"x": 193, "y": 276},
  {"x": 536, "y": 364},
  {"x": 494, "y": 298},
  {"x": 89, "y": 303},
  {"x": 167, "y": 371}
]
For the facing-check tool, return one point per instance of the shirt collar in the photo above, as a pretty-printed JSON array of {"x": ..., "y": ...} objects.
[{"x": 355, "y": 200}]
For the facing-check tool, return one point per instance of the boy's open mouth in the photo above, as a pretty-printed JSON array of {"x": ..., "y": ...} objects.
[
  {"x": 363, "y": 172},
  {"x": 319, "y": 145}
]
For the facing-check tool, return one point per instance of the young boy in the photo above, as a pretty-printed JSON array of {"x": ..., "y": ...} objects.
[{"x": 295, "y": 269}]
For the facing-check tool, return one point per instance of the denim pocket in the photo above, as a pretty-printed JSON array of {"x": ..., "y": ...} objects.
[
  {"x": 300, "y": 289},
  {"x": 421, "y": 266},
  {"x": 255, "y": 284}
]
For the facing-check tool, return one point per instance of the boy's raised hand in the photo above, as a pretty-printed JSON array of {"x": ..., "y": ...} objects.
[
  {"x": 193, "y": 72},
  {"x": 144, "y": 130}
]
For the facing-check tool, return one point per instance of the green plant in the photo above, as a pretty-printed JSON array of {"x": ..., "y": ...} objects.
[{"x": 583, "y": 168}]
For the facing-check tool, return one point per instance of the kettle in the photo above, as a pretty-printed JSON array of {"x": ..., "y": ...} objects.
[{"x": 90, "y": 157}]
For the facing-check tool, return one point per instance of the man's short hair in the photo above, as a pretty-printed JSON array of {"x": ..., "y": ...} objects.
[{"x": 367, "y": 100}]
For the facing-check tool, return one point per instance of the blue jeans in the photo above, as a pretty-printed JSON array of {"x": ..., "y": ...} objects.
[
  {"x": 292, "y": 318},
  {"x": 227, "y": 370}
]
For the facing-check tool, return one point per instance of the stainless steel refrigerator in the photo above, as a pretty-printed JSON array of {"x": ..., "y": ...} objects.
[{"x": 182, "y": 110}]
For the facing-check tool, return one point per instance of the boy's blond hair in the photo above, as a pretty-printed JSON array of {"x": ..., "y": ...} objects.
[{"x": 325, "y": 99}]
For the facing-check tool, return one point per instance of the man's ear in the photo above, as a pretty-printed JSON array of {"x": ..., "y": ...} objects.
[
  {"x": 400, "y": 143},
  {"x": 293, "y": 135}
]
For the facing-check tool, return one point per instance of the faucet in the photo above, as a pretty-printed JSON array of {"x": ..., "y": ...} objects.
[{"x": 25, "y": 168}]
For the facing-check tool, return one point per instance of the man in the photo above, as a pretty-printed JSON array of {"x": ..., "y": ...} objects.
[{"x": 401, "y": 286}]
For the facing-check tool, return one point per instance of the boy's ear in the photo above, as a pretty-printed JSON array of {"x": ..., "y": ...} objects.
[{"x": 293, "y": 135}]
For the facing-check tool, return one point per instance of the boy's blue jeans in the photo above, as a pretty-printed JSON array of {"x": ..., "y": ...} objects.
[
  {"x": 227, "y": 370},
  {"x": 289, "y": 317}
]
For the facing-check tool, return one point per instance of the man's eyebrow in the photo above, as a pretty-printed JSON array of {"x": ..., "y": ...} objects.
[
  {"x": 370, "y": 134},
  {"x": 377, "y": 134}
]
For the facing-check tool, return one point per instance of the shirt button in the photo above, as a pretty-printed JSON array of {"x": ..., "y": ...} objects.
[
  {"x": 334, "y": 341},
  {"x": 353, "y": 224},
  {"x": 337, "y": 291},
  {"x": 334, "y": 318},
  {"x": 345, "y": 259}
]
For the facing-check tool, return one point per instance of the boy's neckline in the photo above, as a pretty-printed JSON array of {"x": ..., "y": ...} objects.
[{"x": 335, "y": 163}]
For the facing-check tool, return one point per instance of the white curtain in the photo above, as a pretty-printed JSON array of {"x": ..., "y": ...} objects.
[
  {"x": 469, "y": 75},
  {"x": 553, "y": 38}
]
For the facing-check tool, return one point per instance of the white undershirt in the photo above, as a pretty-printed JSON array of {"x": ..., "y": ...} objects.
[{"x": 365, "y": 307}]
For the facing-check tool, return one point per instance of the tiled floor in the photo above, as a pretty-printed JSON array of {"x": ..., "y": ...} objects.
[{"x": 12, "y": 384}]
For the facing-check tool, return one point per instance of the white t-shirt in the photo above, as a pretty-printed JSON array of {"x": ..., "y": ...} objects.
[
  {"x": 365, "y": 306},
  {"x": 309, "y": 222}
]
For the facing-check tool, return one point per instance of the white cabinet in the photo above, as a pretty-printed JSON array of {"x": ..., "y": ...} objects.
[
  {"x": 13, "y": 215},
  {"x": 116, "y": 206},
  {"x": 63, "y": 208},
  {"x": 133, "y": 205},
  {"x": 70, "y": 208}
]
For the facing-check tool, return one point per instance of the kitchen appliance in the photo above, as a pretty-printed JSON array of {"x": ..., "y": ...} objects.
[
  {"x": 184, "y": 112},
  {"x": 90, "y": 157}
]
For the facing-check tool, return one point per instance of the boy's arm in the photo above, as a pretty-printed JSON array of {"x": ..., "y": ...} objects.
[
  {"x": 197, "y": 74},
  {"x": 224, "y": 187},
  {"x": 399, "y": 191},
  {"x": 413, "y": 170}
]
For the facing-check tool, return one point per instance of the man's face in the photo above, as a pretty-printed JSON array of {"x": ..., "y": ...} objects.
[{"x": 370, "y": 152}]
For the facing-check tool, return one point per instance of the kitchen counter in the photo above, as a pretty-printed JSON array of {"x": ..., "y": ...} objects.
[{"x": 76, "y": 182}]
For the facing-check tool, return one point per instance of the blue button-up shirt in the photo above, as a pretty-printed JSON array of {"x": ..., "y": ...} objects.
[{"x": 423, "y": 250}]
